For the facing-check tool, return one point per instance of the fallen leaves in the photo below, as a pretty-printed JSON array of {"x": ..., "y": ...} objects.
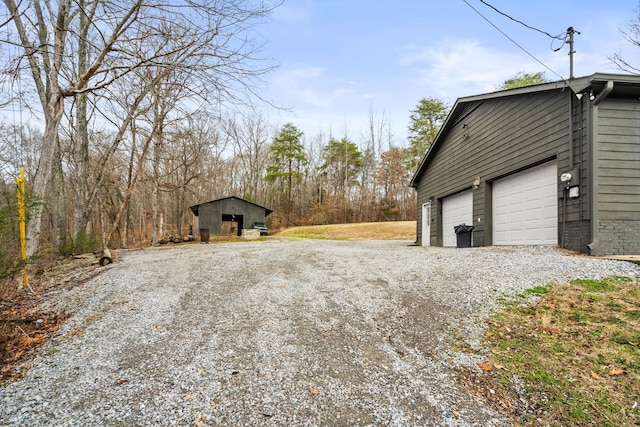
[
  {"x": 616, "y": 371},
  {"x": 485, "y": 366},
  {"x": 612, "y": 372},
  {"x": 19, "y": 310},
  {"x": 29, "y": 341},
  {"x": 19, "y": 336},
  {"x": 313, "y": 391}
]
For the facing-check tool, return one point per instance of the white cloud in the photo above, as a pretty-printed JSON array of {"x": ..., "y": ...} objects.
[
  {"x": 297, "y": 85},
  {"x": 312, "y": 86},
  {"x": 456, "y": 68}
]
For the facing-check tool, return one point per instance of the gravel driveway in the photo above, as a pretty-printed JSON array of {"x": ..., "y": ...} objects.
[{"x": 279, "y": 332}]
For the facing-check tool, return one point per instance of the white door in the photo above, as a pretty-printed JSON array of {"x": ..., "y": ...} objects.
[
  {"x": 525, "y": 207},
  {"x": 426, "y": 224},
  {"x": 456, "y": 210}
]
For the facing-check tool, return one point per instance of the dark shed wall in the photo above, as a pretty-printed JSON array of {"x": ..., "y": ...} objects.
[
  {"x": 618, "y": 177},
  {"x": 501, "y": 136},
  {"x": 209, "y": 219}
]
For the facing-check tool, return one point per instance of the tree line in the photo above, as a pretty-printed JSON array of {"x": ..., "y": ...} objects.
[
  {"x": 140, "y": 191},
  {"x": 148, "y": 107},
  {"x": 145, "y": 108}
]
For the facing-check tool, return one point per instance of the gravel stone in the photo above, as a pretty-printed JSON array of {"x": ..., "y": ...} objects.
[{"x": 281, "y": 332}]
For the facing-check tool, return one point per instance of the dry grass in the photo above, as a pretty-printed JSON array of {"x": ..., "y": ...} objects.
[
  {"x": 576, "y": 352},
  {"x": 397, "y": 230}
]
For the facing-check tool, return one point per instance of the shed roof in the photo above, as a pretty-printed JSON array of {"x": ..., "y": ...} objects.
[
  {"x": 623, "y": 86},
  {"x": 195, "y": 208}
]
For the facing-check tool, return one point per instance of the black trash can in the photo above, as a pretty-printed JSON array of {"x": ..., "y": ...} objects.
[
  {"x": 204, "y": 235},
  {"x": 463, "y": 235}
]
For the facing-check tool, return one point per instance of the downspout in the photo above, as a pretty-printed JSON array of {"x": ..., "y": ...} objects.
[
  {"x": 605, "y": 92},
  {"x": 565, "y": 191},
  {"x": 571, "y": 131},
  {"x": 595, "y": 229}
]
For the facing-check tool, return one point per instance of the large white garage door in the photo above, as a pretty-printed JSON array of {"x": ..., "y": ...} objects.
[
  {"x": 456, "y": 210},
  {"x": 525, "y": 207}
]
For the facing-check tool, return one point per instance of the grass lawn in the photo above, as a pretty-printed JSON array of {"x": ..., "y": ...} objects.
[
  {"x": 574, "y": 355},
  {"x": 396, "y": 230}
]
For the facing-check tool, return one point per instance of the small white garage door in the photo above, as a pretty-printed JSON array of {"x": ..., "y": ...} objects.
[
  {"x": 525, "y": 207},
  {"x": 456, "y": 210}
]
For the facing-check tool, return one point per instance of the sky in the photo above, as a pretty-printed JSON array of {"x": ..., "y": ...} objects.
[{"x": 341, "y": 62}]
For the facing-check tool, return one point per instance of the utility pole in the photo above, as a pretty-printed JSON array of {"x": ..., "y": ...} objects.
[{"x": 570, "y": 33}]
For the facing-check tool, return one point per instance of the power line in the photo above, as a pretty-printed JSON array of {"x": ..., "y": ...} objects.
[
  {"x": 512, "y": 40},
  {"x": 558, "y": 37}
]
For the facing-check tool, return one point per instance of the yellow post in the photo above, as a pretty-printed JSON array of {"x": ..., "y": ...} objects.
[{"x": 23, "y": 227}]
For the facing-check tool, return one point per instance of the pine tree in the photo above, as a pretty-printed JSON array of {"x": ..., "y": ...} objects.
[{"x": 287, "y": 159}]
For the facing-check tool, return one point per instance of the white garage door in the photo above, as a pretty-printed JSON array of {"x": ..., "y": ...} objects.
[
  {"x": 456, "y": 210},
  {"x": 525, "y": 207}
]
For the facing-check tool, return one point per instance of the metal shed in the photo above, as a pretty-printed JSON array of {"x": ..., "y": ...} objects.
[{"x": 227, "y": 216}]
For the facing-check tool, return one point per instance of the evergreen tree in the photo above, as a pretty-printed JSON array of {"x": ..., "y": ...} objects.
[
  {"x": 426, "y": 120},
  {"x": 286, "y": 161},
  {"x": 342, "y": 163}
]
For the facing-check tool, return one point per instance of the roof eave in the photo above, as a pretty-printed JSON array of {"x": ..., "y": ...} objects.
[
  {"x": 577, "y": 85},
  {"x": 194, "y": 208}
]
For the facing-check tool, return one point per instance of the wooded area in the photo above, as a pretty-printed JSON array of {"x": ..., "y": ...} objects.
[
  {"x": 124, "y": 115},
  {"x": 143, "y": 191}
]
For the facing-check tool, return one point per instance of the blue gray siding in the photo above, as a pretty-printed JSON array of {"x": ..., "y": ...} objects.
[
  {"x": 490, "y": 139},
  {"x": 589, "y": 126},
  {"x": 618, "y": 177}
]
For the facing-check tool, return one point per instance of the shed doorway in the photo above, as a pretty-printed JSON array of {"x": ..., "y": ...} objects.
[{"x": 232, "y": 224}]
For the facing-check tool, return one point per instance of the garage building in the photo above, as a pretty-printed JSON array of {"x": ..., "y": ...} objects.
[{"x": 550, "y": 164}]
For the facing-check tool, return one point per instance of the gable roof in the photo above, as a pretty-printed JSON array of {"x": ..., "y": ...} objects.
[
  {"x": 195, "y": 208},
  {"x": 620, "y": 85}
]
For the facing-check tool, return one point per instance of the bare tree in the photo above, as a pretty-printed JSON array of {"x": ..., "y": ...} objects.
[
  {"x": 632, "y": 34},
  {"x": 372, "y": 149},
  {"x": 250, "y": 135},
  {"x": 189, "y": 146},
  {"x": 222, "y": 61}
]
